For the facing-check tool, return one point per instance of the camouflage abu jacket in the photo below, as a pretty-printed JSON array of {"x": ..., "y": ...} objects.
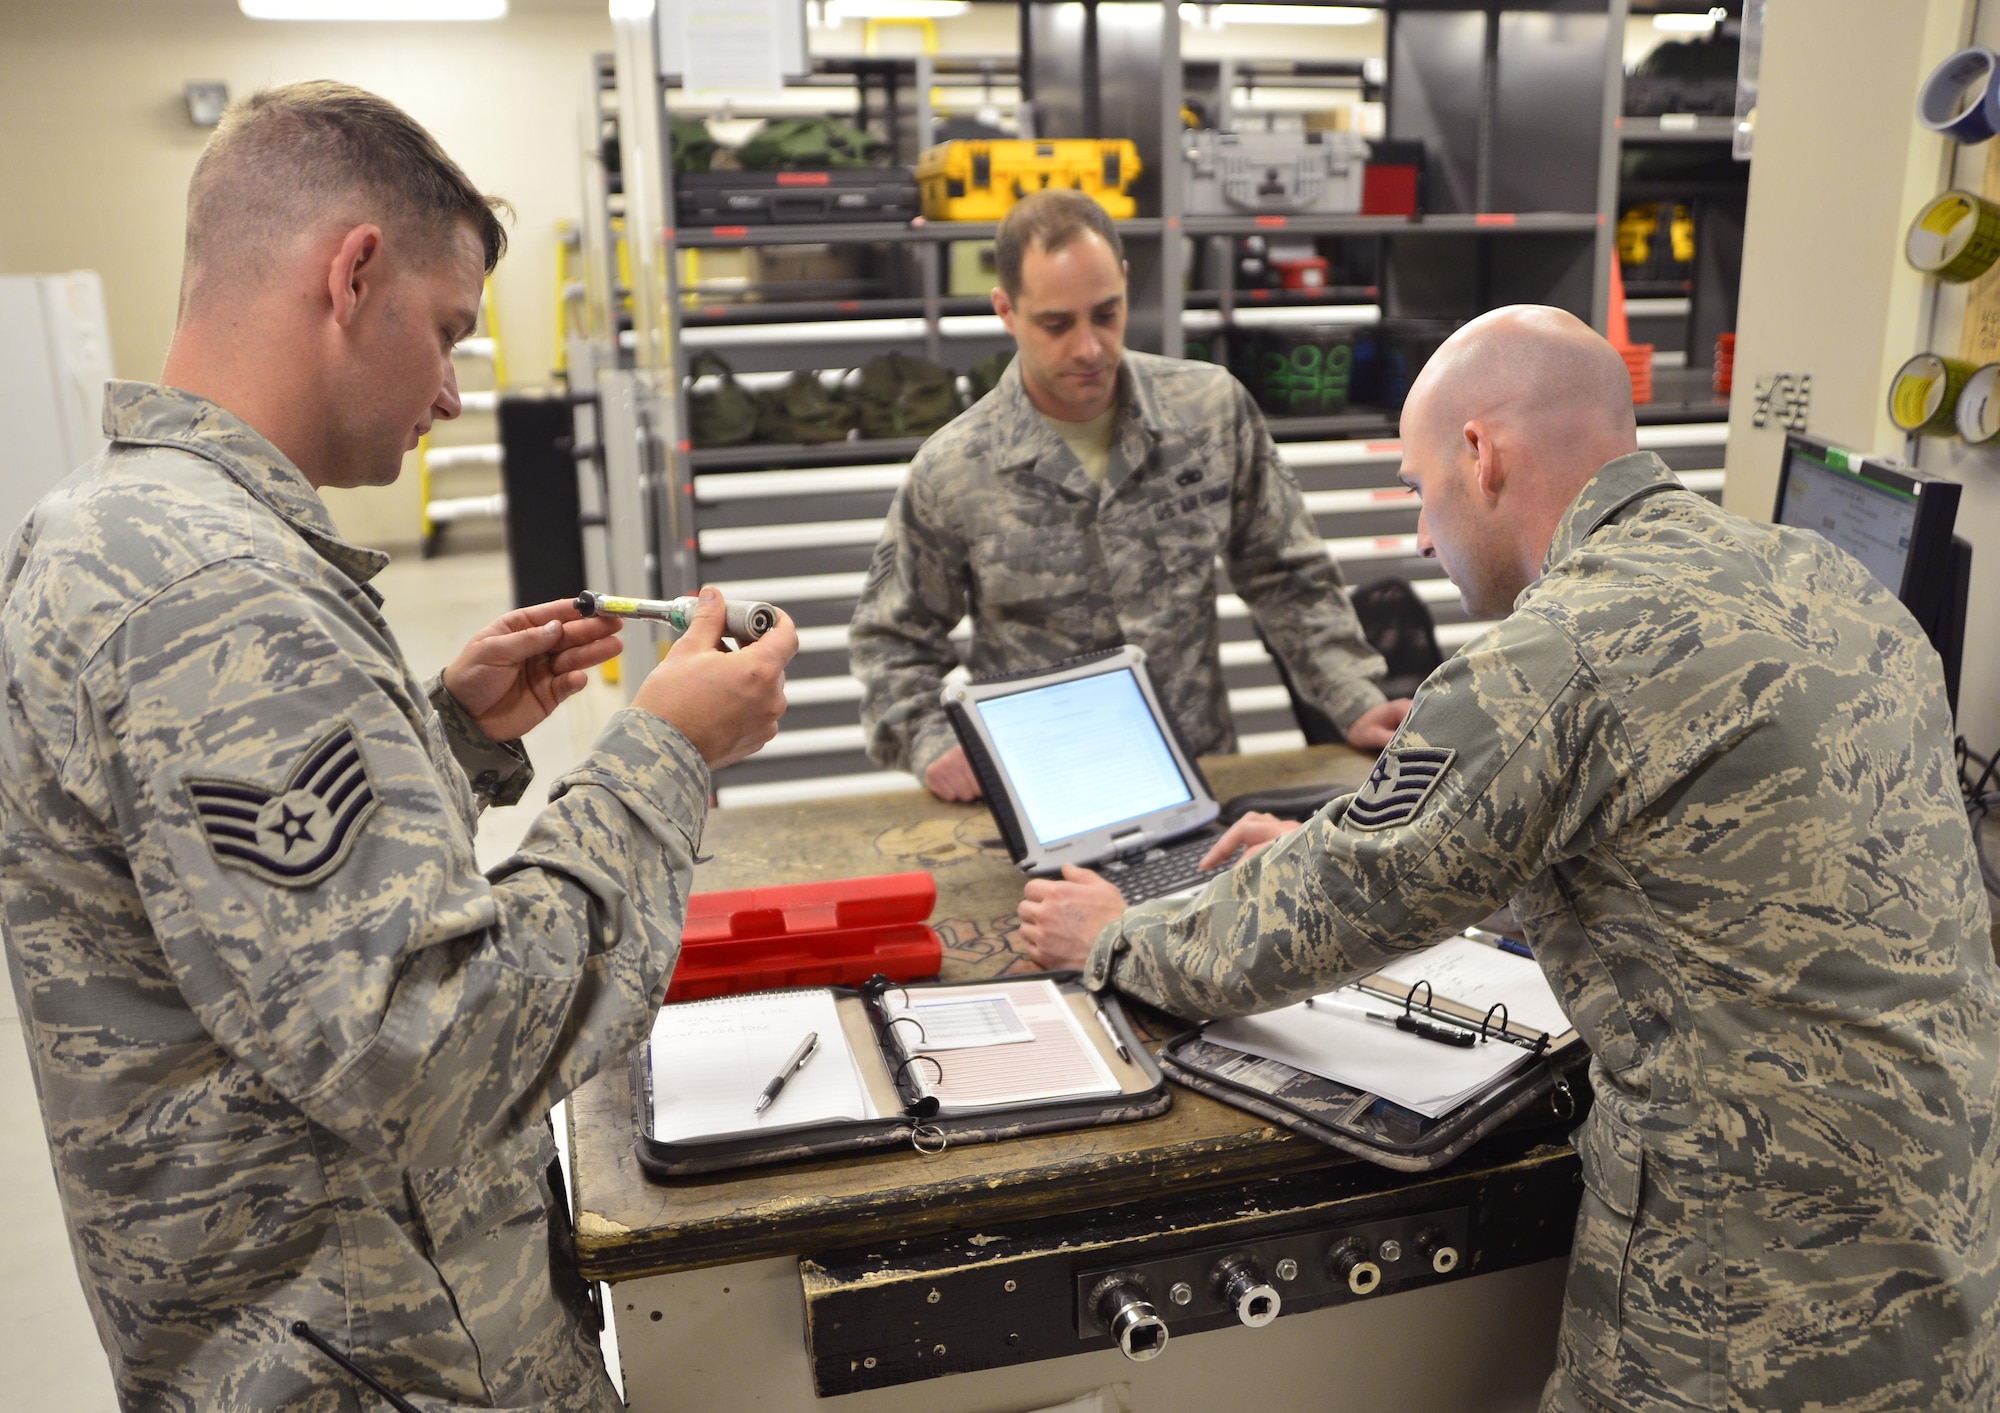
[
  {"x": 1710, "y": 762},
  {"x": 999, "y": 519},
  {"x": 294, "y": 1052}
]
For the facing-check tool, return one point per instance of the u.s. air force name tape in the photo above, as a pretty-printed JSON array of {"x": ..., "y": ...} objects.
[
  {"x": 1923, "y": 397},
  {"x": 1961, "y": 98},
  {"x": 1978, "y": 413},
  {"x": 1955, "y": 237}
]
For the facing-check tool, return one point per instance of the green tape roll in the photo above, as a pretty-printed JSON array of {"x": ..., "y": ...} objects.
[
  {"x": 1923, "y": 396},
  {"x": 1956, "y": 237}
]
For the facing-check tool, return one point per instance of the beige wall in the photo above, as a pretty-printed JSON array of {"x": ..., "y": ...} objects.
[
  {"x": 96, "y": 149},
  {"x": 1841, "y": 167}
]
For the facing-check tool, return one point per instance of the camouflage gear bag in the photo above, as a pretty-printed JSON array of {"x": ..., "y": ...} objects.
[
  {"x": 803, "y": 411},
  {"x": 809, "y": 144},
  {"x": 694, "y": 150},
  {"x": 984, "y": 376},
  {"x": 723, "y": 415},
  {"x": 900, "y": 396}
]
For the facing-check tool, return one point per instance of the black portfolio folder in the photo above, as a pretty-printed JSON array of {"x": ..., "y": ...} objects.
[{"x": 919, "y": 1096}]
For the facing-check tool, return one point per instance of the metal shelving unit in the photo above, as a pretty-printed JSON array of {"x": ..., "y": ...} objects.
[{"x": 1506, "y": 219}]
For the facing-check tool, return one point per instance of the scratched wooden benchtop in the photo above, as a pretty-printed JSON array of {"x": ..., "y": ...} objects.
[{"x": 629, "y": 1224}]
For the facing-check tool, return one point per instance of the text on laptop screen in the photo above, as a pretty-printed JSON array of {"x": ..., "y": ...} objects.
[{"x": 1083, "y": 754}]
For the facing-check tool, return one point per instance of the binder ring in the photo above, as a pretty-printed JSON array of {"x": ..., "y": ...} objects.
[
  {"x": 908, "y": 1020},
  {"x": 928, "y": 1139},
  {"x": 1566, "y": 1108},
  {"x": 931, "y": 1060},
  {"x": 1501, "y": 1007},
  {"x": 1430, "y": 999}
]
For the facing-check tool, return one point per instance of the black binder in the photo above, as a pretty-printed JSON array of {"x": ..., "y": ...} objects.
[
  {"x": 1550, "y": 1089},
  {"x": 898, "y": 1077}
]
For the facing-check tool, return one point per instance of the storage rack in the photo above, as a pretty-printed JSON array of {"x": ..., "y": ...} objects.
[{"x": 797, "y": 524}]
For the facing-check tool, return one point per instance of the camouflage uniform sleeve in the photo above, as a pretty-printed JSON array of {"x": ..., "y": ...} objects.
[
  {"x": 1512, "y": 759},
  {"x": 1279, "y": 565},
  {"x": 301, "y": 844},
  {"x": 499, "y": 771},
  {"x": 899, "y": 642}
]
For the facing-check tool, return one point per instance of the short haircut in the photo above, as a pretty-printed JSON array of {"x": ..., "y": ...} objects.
[
  {"x": 1050, "y": 218},
  {"x": 285, "y": 158}
]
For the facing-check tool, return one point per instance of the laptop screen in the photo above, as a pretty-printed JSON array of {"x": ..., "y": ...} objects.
[{"x": 1083, "y": 754}]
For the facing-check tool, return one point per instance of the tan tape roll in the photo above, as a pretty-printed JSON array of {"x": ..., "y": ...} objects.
[
  {"x": 1923, "y": 396},
  {"x": 1956, "y": 237}
]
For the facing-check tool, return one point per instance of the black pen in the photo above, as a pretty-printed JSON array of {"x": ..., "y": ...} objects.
[
  {"x": 1409, "y": 1024},
  {"x": 807, "y": 1048}
]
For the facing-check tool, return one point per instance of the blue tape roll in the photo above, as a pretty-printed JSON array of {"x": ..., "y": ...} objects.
[{"x": 1945, "y": 92}]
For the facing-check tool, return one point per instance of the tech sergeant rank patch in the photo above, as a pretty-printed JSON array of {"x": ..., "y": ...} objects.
[
  {"x": 297, "y": 834},
  {"x": 1400, "y": 783}
]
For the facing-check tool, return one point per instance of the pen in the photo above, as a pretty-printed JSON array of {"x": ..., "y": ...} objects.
[
  {"x": 1502, "y": 941},
  {"x": 1105, "y": 1021},
  {"x": 806, "y": 1050},
  {"x": 1422, "y": 1029}
]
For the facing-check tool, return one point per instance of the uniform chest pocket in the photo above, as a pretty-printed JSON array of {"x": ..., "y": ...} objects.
[{"x": 1032, "y": 565}]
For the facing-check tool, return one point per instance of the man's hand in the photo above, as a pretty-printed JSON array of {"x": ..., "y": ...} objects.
[
  {"x": 1251, "y": 834},
  {"x": 1376, "y": 727},
  {"x": 950, "y": 777},
  {"x": 727, "y": 704},
  {"x": 1061, "y": 917},
  {"x": 522, "y": 666}
]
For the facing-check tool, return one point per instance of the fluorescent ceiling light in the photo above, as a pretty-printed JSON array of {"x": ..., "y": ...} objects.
[
  {"x": 374, "y": 10},
  {"x": 1685, "y": 24},
  {"x": 1279, "y": 14},
  {"x": 838, "y": 10}
]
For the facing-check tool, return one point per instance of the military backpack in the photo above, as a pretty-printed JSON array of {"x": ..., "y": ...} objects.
[
  {"x": 722, "y": 415},
  {"x": 803, "y": 411},
  {"x": 900, "y": 396}
]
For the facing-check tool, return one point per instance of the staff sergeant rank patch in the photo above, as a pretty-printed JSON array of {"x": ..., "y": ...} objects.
[
  {"x": 299, "y": 833},
  {"x": 1401, "y": 782}
]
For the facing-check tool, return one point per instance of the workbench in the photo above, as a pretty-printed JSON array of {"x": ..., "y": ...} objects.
[{"x": 863, "y": 1279}]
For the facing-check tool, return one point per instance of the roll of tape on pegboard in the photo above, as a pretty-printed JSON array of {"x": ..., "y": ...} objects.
[
  {"x": 1923, "y": 396},
  {"x": 1961, "y": 98},
  {"x": 1978, "y": 413},
  {"x": 1956, "y": 237}
]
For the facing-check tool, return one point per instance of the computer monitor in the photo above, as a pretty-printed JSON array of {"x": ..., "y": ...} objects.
[{"x": 1897, "y": 521}]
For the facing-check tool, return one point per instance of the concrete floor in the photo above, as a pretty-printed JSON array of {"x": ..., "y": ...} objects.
[{"x": 50, "y": 1357}]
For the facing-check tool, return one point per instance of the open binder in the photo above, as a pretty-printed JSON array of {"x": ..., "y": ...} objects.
[
  {"x": 1459, "y": 989},
  {"x": 925, "y": 1065}
]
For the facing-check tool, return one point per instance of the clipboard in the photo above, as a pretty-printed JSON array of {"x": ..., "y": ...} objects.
[
  {"x": 907, "y": 1087},
  {"x": 1550, "y": 1088}
]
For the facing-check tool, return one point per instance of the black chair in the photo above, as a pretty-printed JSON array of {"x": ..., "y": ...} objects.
[{"x": 1398, "y": 625}]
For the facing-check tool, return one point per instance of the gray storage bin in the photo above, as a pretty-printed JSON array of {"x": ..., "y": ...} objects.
[{"x": 1285, "y": 172}]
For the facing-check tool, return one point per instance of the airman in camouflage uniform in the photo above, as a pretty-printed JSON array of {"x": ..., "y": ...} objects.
[
  {"x": 294, "y": 1052},
  {"x": 1082, "y": 504},
  {"x": 999, "y": 518},
  {"x": 1710, "y": 763}
]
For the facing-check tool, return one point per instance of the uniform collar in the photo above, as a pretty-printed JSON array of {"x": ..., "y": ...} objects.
[
  {"x": 1616, "y": 485},
  {"x": 148, "y": 414},
  {"x": 1024, "y": 438}
]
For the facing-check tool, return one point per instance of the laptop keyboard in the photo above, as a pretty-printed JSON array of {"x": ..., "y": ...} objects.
[{"x": 1173, "y": 868}]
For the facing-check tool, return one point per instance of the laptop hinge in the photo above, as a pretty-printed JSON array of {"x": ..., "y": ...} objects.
[{"x": 1125, "y": 845}]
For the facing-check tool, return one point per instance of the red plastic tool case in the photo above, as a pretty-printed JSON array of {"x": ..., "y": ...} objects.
[{"x": 837, "y": 933}]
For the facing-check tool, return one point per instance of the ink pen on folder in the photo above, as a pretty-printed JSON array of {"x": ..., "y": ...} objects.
[
  {"x": 807, "y": 1048},
  {"x": 1105, "y": 1021},
  {"x": 1423, "y": 1030}
]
